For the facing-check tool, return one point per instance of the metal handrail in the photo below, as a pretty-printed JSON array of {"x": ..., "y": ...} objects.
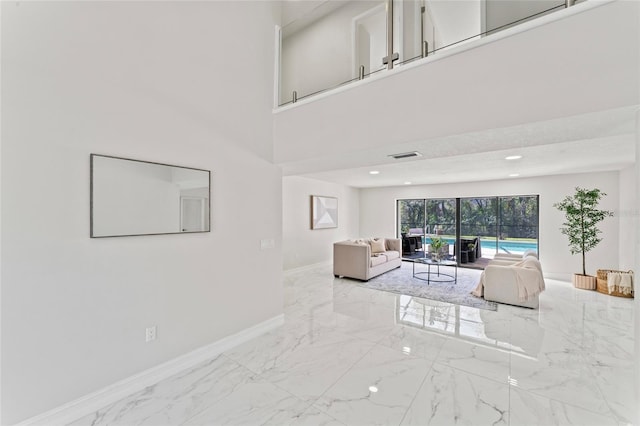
[{"x": 424, "y": 51}]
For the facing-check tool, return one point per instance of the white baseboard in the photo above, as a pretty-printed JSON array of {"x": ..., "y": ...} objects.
[
  {"x": 558, "y": 276},
  {"x": 94, "y": 401},
  {"x": 307, "y": 267}
]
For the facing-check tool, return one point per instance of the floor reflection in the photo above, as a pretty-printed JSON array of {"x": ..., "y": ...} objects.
[{"x": 478, "y": 326}]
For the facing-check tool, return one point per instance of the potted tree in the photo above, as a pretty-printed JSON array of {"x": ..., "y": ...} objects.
[{"x": 581, "y": 227}]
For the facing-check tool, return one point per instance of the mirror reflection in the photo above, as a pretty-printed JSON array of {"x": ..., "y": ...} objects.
[{"x": 132, "y": 197}]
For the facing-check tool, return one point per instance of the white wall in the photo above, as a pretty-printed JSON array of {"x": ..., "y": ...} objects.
[
  {"x": 455, "y": 21},
  {"x": 500, "y": 13},
  {"x": 378, "y": 213},
  {"x": 411, "y": 20},
  {"x": 371, "y": 39},
  {"x": 628, "y": 214},
  {"x": 302, "y": 246},
  {"x": 320, "y": 55},
  {"x": 636, "y": 263},
  {"x": 176, "y": 82}
]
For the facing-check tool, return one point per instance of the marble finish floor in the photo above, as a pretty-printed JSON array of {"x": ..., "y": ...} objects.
[{"x": 348, "y": 355}]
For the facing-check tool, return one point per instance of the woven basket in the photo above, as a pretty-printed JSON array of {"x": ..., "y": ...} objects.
[{"x": 601, "y": 283}]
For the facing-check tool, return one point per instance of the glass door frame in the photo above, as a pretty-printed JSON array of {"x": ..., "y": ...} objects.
[{"x": 458, "y": 219}]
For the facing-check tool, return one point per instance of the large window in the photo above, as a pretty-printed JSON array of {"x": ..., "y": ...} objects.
[
  {"x": 411, "y": 215},
  {"x": 441, "y": 217},
  {"x": 479, "y": 216},
  {"x": 432, "y": 216},
  {"x": 506, "y": 224},
  {"x": 518, "y": 224}
]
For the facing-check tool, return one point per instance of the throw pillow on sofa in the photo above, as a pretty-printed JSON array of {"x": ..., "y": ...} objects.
[{"x": 377, "y": 246}]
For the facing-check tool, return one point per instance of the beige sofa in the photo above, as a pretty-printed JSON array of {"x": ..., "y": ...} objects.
[
  {"x": 366, "y": 258},
  {"x": 513, "y": 279}
]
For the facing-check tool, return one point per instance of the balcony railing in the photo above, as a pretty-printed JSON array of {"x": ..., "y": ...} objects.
[{"x": 338, "y": 43}]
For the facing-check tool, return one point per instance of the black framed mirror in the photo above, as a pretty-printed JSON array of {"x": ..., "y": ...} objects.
[{"x": 133, "y": 197}]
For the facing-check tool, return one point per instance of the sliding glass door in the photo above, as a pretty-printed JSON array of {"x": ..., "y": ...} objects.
[
  {"x": 419, "y": 219},
  {"x": 441, "y": 217},
  {"x": 479, "y": 218},
  {"x": 504, "y": 224},
  {"x": 518, "y": 224},
  {"x": 441, "y": 220},
  {"x": 411, "y": 216}
]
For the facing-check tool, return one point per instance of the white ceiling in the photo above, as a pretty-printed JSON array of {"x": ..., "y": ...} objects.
[{"x": 591, "y": 142}]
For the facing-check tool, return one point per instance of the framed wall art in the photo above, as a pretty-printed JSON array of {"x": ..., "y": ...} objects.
[{"x": 324, "y": 212}]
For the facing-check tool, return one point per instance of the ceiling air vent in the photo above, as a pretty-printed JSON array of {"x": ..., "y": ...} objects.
[{"x": 406, "y": 155}]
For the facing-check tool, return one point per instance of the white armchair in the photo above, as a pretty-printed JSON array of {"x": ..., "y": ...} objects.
[{"x": 513, "y": 280}]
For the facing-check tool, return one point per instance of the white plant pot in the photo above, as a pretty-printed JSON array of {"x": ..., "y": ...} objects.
[{"x": 585, "y": 282}]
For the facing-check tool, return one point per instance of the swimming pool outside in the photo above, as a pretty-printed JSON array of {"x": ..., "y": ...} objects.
[
  {"x": 504, "y": 246},
  {"x": 510, "y": 246}
]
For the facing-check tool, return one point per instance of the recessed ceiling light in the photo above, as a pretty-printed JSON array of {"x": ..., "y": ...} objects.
[
  {"x": 407, "y": 183},
  {"x": 373, "y": 389},
  {"x": 514, "y": 175},
  {"x": 513, "y": 157},
  {"x": 374, "y": 172}
]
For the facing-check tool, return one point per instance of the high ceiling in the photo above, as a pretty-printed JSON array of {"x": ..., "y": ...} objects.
[{"x": 579, "y": 116}]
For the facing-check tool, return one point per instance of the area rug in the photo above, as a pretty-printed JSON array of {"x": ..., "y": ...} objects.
[{"x": 401, "y": 281}]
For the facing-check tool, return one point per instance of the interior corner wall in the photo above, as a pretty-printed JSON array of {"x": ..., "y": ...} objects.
[
  {"x": 301, "y": 245},
  {"x": 319, "y": 56},
  {"x": 378, "y": 213},
  {"x": 455, "y": 21},
  {"x": 184, "y": 83}
]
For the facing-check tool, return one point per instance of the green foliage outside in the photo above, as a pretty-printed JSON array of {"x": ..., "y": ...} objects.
[
  {"x": 514, "y": 217},
  {"x": 582, "y": 217}
]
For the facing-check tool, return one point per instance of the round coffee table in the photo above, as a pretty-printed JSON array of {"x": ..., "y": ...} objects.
[{"x": 436, "y": 276}]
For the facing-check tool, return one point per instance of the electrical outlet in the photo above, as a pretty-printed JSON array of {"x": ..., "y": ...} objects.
[{"x": 151, "y": 333}]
